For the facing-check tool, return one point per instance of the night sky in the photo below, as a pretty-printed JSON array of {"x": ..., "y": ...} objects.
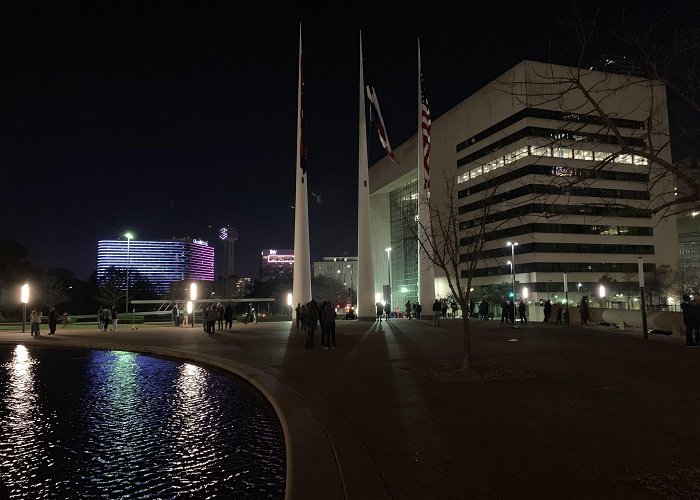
[{"x": 169, "y": 120}]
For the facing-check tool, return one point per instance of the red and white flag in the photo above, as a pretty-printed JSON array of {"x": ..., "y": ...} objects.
[
  {"x": 381, "y": 128},
  {"x": 426, "y": 125}
]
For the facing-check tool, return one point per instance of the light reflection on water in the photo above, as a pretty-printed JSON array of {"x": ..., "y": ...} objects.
[{"x": 114, "y": 424}]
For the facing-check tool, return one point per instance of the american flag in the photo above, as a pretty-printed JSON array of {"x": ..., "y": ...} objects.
[
  {"x": 302, "y": 145},
  {"x": 426, "y": 124},
  {"x": 381, "y": 128}
]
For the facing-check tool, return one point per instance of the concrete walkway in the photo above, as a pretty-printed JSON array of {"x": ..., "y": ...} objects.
[{"x": 608, "y": 415}]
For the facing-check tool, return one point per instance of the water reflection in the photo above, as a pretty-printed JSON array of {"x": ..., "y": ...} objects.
[
  {"x": 20, "y": 450},
  {"x": 113, "y": 424}
]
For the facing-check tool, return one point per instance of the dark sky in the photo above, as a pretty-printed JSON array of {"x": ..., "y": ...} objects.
[{"x": 172, "y": 120}]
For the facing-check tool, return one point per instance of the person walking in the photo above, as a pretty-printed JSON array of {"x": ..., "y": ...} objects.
[
  {"x": 106, "y": 318},
  {"x": 436, "y": 312},
  {"x": 228, "y": 317},
  {"x": 53, "y": 319},
  {"x": 560, "y": 312},
  {"x": 297, "y": 310},
  {"x": 408, "y": 309},
  {"x": 35, "y": 321},
  {"x": 328, "y": 319},
  {"x": 220, "y": 315},
  {"x": 380, "y": 311},
  {"x": 443, "y": 308},
  {"x": 115, "y": 318},
  {"x": 522, "y": 310},
  {"x": 387, "y": 311}
]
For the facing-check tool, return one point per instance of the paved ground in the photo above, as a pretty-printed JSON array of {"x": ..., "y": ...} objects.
[{"x": 608, "y": 415}]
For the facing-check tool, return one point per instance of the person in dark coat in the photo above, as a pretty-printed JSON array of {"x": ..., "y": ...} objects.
[
  {"x": 380, "y": 311},
  {"x": 547, "y": 310},
  {"x": 387, "y": 310},
  {"x": 328, "y": 319},
  {"x": 690, "y": 321},
  {"x": 53, "y": 319},
  {"x": 522, "y": 310},
  {"x": 228, "y": 316},
  {"x": 584, "y": 310},
  {"x": 504, "y": 312},
  {"x": 311, "y": 322}
]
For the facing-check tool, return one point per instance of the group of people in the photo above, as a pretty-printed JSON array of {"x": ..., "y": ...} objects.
[
  {"x": 310, "y": 315},
  {"x": 216, "y": 317},
  {"x": 36, "y": 316},
  {"x": 508, "y": 309},
  {"x": 105, "y": 317}
]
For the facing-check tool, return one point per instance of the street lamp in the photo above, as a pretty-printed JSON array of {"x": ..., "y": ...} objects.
[
  {"x": 193, "y": 297},
  {"x": 128, "y": 237},
  {"x": 512, "y": 246},
  {"x": 289, "y": 303},
  {"x": 601, "y": 294},
  {"x": 388, "y": 254},
  {"x": 24, "y": 297}
]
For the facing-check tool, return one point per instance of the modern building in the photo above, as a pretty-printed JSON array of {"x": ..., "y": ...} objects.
[
  {"x": 161, "y": 262},
  {"x": 342, "y": 269},
  {"x": 276, "y": 264},
  {"x": 228, "y": 236},
  {"x": 689, "y": 242},
  {"x": 520, "y": 168}
]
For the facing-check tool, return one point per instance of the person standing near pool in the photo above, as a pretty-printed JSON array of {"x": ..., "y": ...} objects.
[
  {"x": 53, "y": 319},
  {"x": 35, "y": 321}
]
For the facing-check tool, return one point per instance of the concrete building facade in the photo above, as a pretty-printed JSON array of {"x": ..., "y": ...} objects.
[{"x": 520, "y": 166}]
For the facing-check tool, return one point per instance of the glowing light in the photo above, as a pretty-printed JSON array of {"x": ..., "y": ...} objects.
[
  {"x": 601, "y": 291},
  {"x": 189, "y": 307},
  {"x": 289, "y": 299},
  {"x": 25, "y": 293},
  {"x": 525, "y": 292},
  {"x": 193, "y": 291}
]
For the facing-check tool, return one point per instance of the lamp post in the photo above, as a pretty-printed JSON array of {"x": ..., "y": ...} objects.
[
  {"x": 24, "y": 296},
  {"x": 193, "y": 298},
  {"x": 512, "y": 246},
  {"x": 128, "y": 237},
  {"x": 388, "y": 254}
]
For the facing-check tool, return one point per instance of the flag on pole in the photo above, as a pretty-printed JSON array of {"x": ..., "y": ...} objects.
[
  {"x": 303, "y": 152},
  {"x": 381, "y": 128},
  {"x": 426, "y": 125}
]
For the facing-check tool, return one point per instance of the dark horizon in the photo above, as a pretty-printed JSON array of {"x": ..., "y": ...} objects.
[{"x": 172, "y": 122}]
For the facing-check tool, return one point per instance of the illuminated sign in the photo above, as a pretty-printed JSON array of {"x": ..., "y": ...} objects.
[
  {"x": 280, "y": 258},
  {"x": 223, "y": 233},
  {"x": 200, "y": 242}
]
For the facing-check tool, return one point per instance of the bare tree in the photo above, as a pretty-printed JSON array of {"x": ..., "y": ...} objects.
[
  {"x": 637, "y": 133},
  {"x": 54, "y": 291},
  {"x": 454, "y": 241}
]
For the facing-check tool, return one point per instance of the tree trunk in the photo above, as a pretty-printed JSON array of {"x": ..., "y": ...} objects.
[{"x": 466, "y": 337}]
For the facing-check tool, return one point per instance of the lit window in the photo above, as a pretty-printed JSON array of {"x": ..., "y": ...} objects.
[
  {"x": 583, "y": 155},
  {"x": 463, "y": 178},
  {"x": 626, "y": 158},
  {"x": 541, "y": 151},
  {"x": 639, "y": 160},
  {"x": 561, "y": 153},
  {"x": 600, "y": 155},
  {"x": 476, "y": 172}
]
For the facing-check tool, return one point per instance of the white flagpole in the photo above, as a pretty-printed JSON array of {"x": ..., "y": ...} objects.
[
  {"x": 426, "y": 273},
  {"x": 365, "y": 280},
  {"x": 301, "y": 287}
]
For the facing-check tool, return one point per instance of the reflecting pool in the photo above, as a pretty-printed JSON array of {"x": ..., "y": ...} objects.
[{"x": 112, "y": 424}]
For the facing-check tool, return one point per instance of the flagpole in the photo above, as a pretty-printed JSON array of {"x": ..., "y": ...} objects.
[
  {"x": 426, "y": 272},
  {"x": 301, "y": 285},
  {"x": 365, "y": 280}
]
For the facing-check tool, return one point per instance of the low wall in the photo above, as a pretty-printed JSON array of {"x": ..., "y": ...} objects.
[{"x": 664, "y": 321}]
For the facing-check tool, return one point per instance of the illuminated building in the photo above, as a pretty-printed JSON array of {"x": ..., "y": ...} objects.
[
  {"x": 276, "y": 264},
  {"x": 160, "y": 262},
  {"x": 342, "y": 269},
  {"x": 515, "y": 161},
  {"x": 229, "y": 236}
]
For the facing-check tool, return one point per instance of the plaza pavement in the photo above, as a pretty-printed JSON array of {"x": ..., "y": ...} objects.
[{"x": 608, "y": 415}]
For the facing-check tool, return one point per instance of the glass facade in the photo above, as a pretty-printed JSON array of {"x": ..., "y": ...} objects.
[
  {"x": 160, "y": 262},
  {"x": 404, "y": 244}
]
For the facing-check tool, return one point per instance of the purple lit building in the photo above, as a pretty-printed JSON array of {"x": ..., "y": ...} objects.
[{"x": 161, "y": 262}]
